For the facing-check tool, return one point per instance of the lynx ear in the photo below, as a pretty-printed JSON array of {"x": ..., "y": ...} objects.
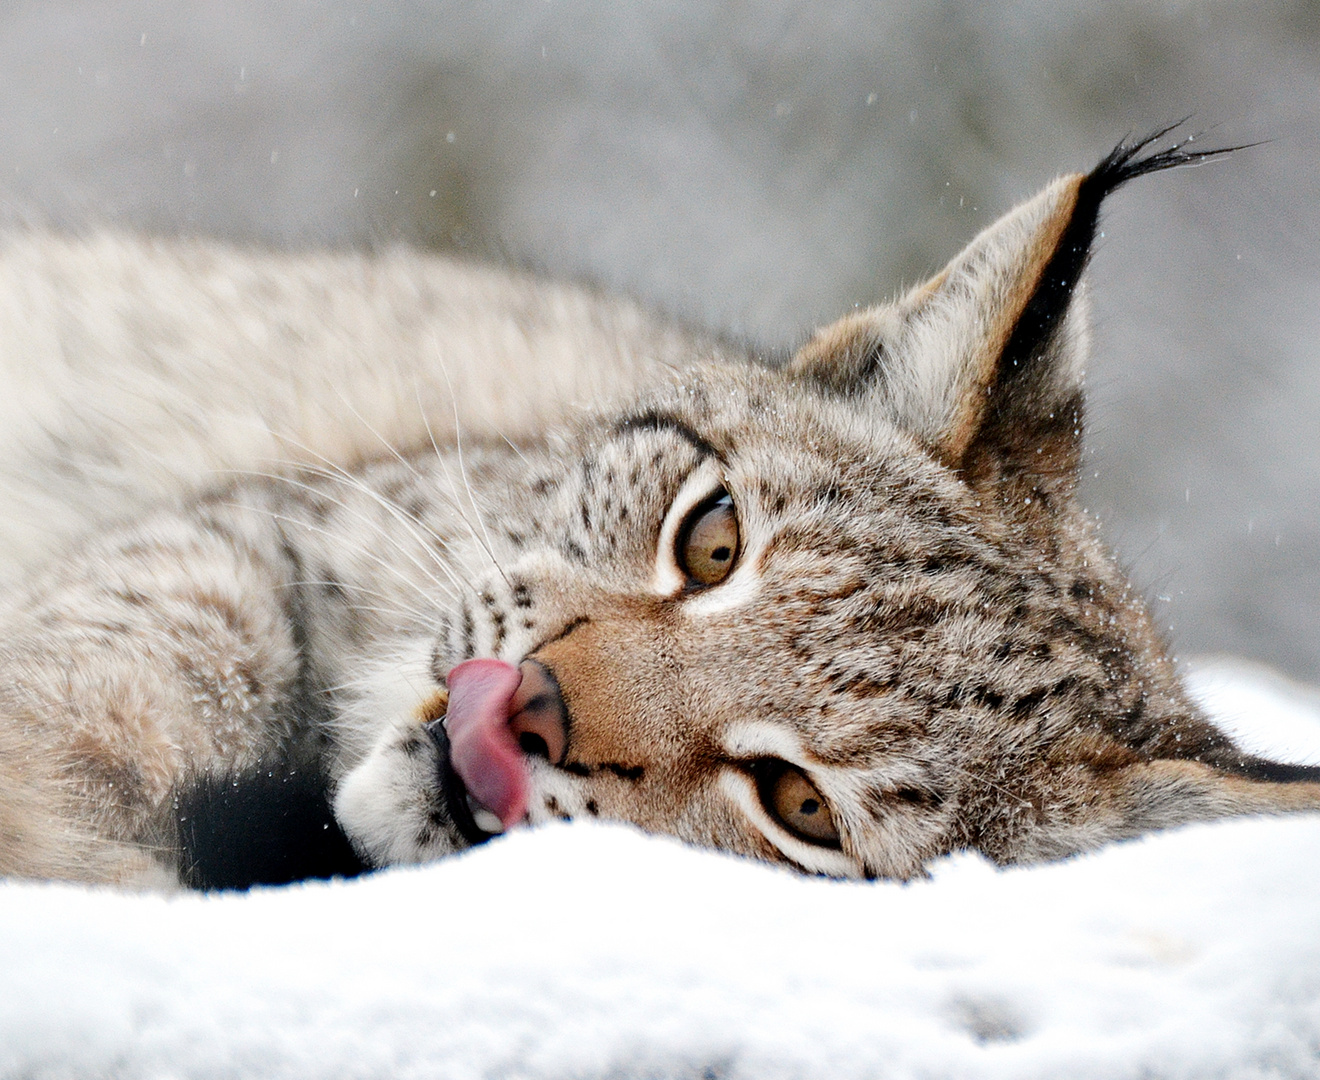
[
  {"x": 983, "y": 363},
  {"x": 1167, "y": 792}
]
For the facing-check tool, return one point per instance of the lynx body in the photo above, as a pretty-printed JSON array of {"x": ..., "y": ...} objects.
[{"x": 843, "y": 613}]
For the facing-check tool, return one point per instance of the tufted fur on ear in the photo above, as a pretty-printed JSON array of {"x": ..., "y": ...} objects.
[{"x": 983, "y": 363}]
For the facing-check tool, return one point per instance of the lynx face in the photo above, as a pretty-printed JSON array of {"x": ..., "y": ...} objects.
[
  {"x": 845, "y": 615},
  {"x": 726, "y": 597}
]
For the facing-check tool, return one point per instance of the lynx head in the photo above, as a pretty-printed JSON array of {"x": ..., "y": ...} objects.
[{"x": 844, "y": 614}]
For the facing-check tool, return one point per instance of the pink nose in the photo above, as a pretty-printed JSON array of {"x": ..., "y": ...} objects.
[{"x": 498, "y": 716}]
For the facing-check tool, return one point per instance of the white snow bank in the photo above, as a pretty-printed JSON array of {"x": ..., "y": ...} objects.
[
  {"x": 1266, "y": 712},
  {"x": 591, "y": 951}
]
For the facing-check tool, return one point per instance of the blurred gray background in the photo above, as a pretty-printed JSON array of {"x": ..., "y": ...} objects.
[{"x": 759, "y": 167}]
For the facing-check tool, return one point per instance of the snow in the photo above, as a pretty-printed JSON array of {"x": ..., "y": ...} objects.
[
  {"x": 1264, "y": 711},
  {"x": 593, "y": 951}
]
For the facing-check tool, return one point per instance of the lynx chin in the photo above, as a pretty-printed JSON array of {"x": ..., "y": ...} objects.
[{"x": 342, "y": 561}]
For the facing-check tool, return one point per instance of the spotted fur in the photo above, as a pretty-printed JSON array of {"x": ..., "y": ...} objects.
[{"x": 920, "y": 618}]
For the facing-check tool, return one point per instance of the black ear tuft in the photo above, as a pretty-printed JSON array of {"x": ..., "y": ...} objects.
[
  {"x": 983, "y": 363},
  {"x": 1049, "y": 302},
  {"x": 1124, "y": 162}
]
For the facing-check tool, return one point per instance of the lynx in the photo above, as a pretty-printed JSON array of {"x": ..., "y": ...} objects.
[{"x": 843, "y": 613}]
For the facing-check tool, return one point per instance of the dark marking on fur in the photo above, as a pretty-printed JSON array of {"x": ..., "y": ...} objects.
[
  {"x": 658, "y": 421},
  {"x": 860, "y": 684},
  {"x": 318, "y": 507},
  {"x": 984, "y": 695},
  {"x": 331, "y": 586},
  {"x": 394, "y": 488},
  {"x": 469, "y": 632},
  {"x": 305, "y": 704},
  {"x": 269, "y": 826},
  {"x": 919, "y": 797},
  {"x": 435, "y": 664},
  {"x": 1027, "y": 704},
  {"x": 1274, "y": 772},
  {"x": 1064, "y": 686},
  {"x": 631, "y": 773}
]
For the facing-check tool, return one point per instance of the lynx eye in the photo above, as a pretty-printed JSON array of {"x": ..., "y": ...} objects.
[
  {"x": 796, "y": 803},
  {"x": 708, "y": 541}
]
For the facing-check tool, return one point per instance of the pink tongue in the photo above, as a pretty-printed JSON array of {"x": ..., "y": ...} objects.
[{"x": 482, "y": 747}]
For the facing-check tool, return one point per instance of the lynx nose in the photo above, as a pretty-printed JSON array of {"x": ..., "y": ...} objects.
[
  {"x": 498, "y": 716},
  {"x": 536, "y": 714}
]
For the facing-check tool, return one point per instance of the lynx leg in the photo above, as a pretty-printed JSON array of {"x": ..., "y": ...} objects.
[{"x": 156, "y": 656}]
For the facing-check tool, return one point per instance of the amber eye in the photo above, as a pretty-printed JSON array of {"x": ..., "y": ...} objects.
[
  {"x": 794, "y": 800},
  {"x": 708, "y": 542}
]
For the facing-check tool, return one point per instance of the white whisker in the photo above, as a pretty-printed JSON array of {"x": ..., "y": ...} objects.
[
  {"x": 285, "y": 518},
  {"x": 521, "y": 456},
  {"x": 409, "y": 522},
  {"x": 375, "y": 526},
  {"x": 332, "y": 471},
  {"x": 979, "y": 779},
  {"x": 462, "y": 468},
  {"x": 395, "y": 608}
]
